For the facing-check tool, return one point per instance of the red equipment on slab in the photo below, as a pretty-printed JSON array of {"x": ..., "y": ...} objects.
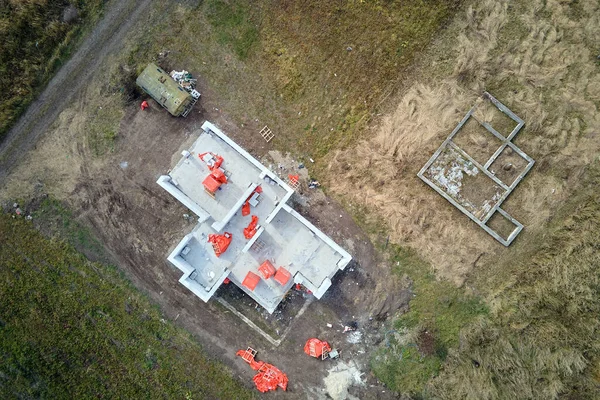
[
  {"x": 220, "y": 242},
  {"x": 214, "y": 181},
  {"x": 144, "y": 105},
  {"x": 212, "y": 160},
  {"x": 266, "y": 269},
  {"x": 250, "y": 230},
  {"x": 246, "y": 209},
  {"x": 246, "y": 206},
  {"x": 282, "y": 276},
  {"x": 268, "y": 377},
  {"x": 317, "y": 348},
  {"x": 251, "y": 280}
]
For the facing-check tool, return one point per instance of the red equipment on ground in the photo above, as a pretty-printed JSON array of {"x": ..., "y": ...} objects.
[
  {"x": 246, "y": 206},
  {"x": 317, "y": 348},
  {"x": 212, "y": 160},
  {"x": 220, "y": 242},
  {"x": 250, "y": 230},
  {"x": 144, "y": 105},
  {"x": 268, "y": 377}
]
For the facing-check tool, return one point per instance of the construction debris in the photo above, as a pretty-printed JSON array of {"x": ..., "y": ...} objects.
[
  {"x": 267, "y": 134},
  {"x": 268, "y": 377},
  {"x": 313, "y": 184},
  {"x": 252, "y": 227},
  {"x": 186, "y": 81},
  {"x": 220, "y": 242},
  {"x": 317, "y": 348}
]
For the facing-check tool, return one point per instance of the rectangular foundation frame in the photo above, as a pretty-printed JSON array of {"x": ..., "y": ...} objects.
[{"x": 506, "y": 142}]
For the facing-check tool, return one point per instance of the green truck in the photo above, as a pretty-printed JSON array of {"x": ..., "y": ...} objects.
[{"x": 167, "y": 91}]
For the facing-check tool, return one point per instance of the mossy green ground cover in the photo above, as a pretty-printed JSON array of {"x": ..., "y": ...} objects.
[
  {"x": 536, "y": 337},
  {"x": 418, "y": 342},
  {"x": 71, "y": 328}
]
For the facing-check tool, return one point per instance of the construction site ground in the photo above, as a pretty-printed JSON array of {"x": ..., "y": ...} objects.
[
  {"x": 138, "y": 222},
  {"x": 368, "y": 136}
]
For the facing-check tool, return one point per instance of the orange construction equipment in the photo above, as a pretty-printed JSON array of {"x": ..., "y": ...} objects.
[
  {"x": 251, "y": 280},
  {"x": 268, "y": 377},
  {"x": 213, "y": 182},
  {"x": 317, "y": 348},
  {"x": 282, "y": 276},
  {"x": 212, "y": 160},
  {"x": 266, "y": 269},
  {"x": 220, "y": 242},
  {"x": 246, "y": 209},
  {"x": 246, "y": 206},
  {"x": 250, "y": 230}
]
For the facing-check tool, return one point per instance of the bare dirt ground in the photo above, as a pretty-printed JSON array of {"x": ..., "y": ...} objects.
[{"x": 138, "y": 222}]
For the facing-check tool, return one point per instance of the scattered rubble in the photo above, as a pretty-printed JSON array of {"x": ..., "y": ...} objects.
[
  {"x": 186, "y": 81},
  {"x": 341, "y": 377}
]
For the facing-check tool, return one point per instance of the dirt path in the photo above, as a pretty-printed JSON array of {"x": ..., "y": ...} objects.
[{"x": 105, "y": 38}]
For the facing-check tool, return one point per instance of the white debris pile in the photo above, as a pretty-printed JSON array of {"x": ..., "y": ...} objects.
[
  {"x": 447, "y": 171},
  {"x": 354, "y": 337},
  {"x": 340, "y": 378},
  {"x": 186, "y": 81}
]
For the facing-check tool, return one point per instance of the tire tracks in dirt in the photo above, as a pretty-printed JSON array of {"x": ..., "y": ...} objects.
[{"x": 119, "y": 17}]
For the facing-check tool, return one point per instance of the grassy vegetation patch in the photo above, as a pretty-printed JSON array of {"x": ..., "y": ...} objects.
[
  {"x": 418, "y": 344},
  {"x": 350, "y": 55},
  {"x": 541, "y": 339},
  {"x": 35, "y": 37},
  {"x": 233, "y": 25},
  {"x": 71, "y": 326},
  {"x": 54, "y": 220}
]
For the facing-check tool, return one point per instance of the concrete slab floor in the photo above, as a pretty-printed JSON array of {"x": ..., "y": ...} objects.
[{"x": 285, "y": 239}]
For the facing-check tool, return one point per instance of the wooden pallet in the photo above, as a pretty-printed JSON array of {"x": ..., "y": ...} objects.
[
  {"x": 294, "y": 183},
  {"x": 211, "y": 194},
  {"x": 267, "y": 134}
]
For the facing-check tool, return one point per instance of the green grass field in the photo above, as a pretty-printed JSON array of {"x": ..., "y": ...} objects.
[{"x": 71, "y": 328}]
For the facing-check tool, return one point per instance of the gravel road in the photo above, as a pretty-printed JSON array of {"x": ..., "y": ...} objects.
[{"x": 106, "y": 37}]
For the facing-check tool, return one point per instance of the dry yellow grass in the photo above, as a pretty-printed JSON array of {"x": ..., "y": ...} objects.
[{"x": 535, "y": 57}]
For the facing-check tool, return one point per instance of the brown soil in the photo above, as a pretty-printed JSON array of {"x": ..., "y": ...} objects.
[
  {"x": 501, "y": 225},
  {"x": 476, "y": 141},
  {"x": 426, "y": 342},
  {"x": 508, "y": 166},
  {"x": 139, "y": 223}
]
